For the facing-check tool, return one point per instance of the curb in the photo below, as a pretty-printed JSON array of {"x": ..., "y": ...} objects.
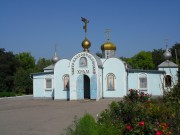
[{"x": 16, "y": 97}]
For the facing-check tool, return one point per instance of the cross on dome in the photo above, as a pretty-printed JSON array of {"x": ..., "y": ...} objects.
[{"x": 108, "y": 34}]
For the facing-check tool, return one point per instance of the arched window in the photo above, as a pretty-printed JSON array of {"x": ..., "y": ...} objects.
[
  {"x": 142, "y": 82},
  {"x": 168, "y": 81},
  {"x": 83, "y": 62},
  {"x": 66, "y": 82},
  {"x": 110, "y": 81}
]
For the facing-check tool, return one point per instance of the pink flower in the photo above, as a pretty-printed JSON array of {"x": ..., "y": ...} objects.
[
  {"x": 158, "y": 132},
  {"x": 141, "y": 123},
  {"x": 129, "y": 128}
]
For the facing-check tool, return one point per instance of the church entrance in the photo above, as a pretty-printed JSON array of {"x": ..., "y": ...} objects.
[{"x": 86, "y": 87}]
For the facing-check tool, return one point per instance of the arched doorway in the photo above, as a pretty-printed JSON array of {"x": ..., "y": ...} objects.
[{"x": 86, "y": 87}]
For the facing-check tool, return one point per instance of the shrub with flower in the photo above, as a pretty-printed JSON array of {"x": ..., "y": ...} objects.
[
  {"x": 137, "y": 96},
  {"x": 139, "y": 115},
  {"x": 136, "y": 114}
]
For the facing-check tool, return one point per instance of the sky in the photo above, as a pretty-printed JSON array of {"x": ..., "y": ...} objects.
[{"x": 37, "y": 26}]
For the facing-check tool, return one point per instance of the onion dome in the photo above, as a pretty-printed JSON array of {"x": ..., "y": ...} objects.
[
  {"x": 108, "y": 46},
  {"x": 55, "y": 58},
  {"x": 86, "y": 44},
  {"x": 167, "y": 54}
]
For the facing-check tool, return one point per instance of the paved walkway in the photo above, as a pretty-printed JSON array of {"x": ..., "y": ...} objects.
[{"x": 28, "y": 116}]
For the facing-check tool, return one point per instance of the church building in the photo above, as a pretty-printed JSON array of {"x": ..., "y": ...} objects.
[{"x": 87, "y": 76}]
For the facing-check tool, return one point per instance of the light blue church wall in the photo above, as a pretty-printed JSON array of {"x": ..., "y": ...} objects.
[
  {"x": 77, "y": 72},
  {"x": 172, "y": 72},
  {"x": 117, "y": 68},
  {"x": 154, "y": 82},
  {"x": 39, "y": 86},
  {"x": 99, "y": 86},
  {"x": 61, "y": 70},
  {"x": 93, "y": 87}
]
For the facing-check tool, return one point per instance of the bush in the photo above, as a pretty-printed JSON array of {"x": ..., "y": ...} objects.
[
  {"x": 88, "y": 126},
  {"x": 136, "y": 114},
  {"x": 7, "y": 94},
  {"x": 84, "y": 126},
  {"x": 172, "y": 100}
]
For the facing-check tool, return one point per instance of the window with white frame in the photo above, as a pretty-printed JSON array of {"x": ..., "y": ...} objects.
[
  {"x": 142, "y": 82},
  {"x": 66, "y": 82},
  {"x": 168, "y": 81},
  {"x": 48, "y": 83},
  {"x": 110, "y": 81}
]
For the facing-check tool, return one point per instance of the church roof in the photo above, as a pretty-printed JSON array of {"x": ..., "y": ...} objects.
[
  {"x": 168, "y": 63},
  {"x": 145, "y": 71},
  {"x": 98, "y": 59},
  {"x": 50, "y": 67},
  {"x": 41, "y": 73},
  {"x": 108, "y": 46}
]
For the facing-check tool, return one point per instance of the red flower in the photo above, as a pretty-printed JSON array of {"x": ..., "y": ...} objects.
[
  {"x": 129, "y": 128},
  {"x": 141, "y": 123},
  {"x": 131, "y": 90},
  {"x": 158, "y": 132}
]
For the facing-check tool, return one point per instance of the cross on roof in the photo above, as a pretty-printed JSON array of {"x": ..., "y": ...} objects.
[
  {"x": 108, "y": 34},
  {"x": 166, "y": 42}
]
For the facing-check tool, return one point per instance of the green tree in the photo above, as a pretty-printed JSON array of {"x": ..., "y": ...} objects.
[
  {"x": 142, "y": 60},
  {"x": 124, "y": 58},
  {"x": 175, "y": 50},
  {"x": 8, "y": 66},
  {"x": 127, "y": 60},
  {"x": 42, "y": 63},
  {"x": 157, "y": 56},
  {"x": 23, "y": 82},
  {"x": 26, "y": 60}
]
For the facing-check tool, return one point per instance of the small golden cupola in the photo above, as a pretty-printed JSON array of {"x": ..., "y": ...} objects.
[
  {"x": 85, "y": 43},
  {"x": 108, "y": 48}
]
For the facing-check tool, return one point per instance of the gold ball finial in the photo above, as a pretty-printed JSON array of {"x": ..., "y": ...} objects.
[{"x": 86, "y": 44}]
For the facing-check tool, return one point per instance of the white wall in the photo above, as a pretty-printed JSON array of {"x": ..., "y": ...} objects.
[
  {"x": 61, "y": 68},
  {"x": 115, "y": 66},
  {"x": 39, "y": 88}
]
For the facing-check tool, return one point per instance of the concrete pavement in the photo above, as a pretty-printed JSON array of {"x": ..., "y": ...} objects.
[{"x": 28, "y": 116}]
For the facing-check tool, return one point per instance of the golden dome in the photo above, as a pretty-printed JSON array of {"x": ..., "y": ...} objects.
[
  {"x": 86, "y": 44},
  {"x": 108, "y": 46}
]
